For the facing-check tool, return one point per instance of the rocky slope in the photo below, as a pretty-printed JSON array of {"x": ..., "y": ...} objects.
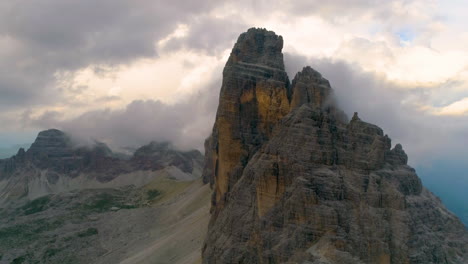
[
  {"x": 65, "y": 203},
  {"x": 161, "y": 222},
  {"x": 294, "y": 181}
]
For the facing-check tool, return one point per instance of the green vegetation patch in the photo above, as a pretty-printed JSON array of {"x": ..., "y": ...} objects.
[
  {"x": 50, "y": 252},
  {"x": 19, "y": 260},
  {"x": 36, "y": 206},
  {"x": 12, "y": 234},
  {"x": 23, "y": 234},
  {"x": 152, "y": 194},
  {"x": 44, "y": 225},
  {"x": 104, "y": 202},
  {"x": 88, "y": 232}
]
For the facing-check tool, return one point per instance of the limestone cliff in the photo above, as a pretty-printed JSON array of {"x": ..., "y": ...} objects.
[
  {"x": 295, "y": 182},
  {"x": 254, "y": 97}
]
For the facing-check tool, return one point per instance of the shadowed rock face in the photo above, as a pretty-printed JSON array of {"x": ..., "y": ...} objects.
[
  {"x": 155, "y": 156},
  {"x": 310, "y": 87},
  {"x": 295, "y": 182},
  {"x": 53, "y": 150}
]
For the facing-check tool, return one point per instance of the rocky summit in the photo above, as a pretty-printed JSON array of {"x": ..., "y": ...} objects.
[{"x": 295, "y": 181}]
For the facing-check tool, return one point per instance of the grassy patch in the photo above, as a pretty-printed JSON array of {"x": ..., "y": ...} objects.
[
  {"x": 43, "y": 225},
  {"x": 68, "y": 238},
  {"x": 36, "y": 206},
  {"x": 10, "y": 235},
  {"x": 88, "y": 232},
  {"x": 104, "y": 202},
  {"x": 23, "y": 234},
  {"x": 50, "y": 252},
  {"x": 152, "y": 194},
  {"x": 19, "y": 260},
  {"x": 171, "y": 188}
]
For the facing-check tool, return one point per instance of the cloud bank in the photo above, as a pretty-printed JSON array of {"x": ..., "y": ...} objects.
[
  {"x": 129, "y": 72},
  {"x": 186, "y": 124}
]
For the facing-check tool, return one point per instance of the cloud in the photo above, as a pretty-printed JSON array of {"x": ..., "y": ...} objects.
[
  {"x": 186, "y": 123},
  {"x": 207, "y": 34}
]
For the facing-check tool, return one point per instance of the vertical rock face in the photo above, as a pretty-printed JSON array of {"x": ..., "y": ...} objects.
[
  {"x": 295, "y": 182},
  {"x": 254, "y": 97}
]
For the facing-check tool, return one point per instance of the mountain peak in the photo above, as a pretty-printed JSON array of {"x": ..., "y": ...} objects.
[
  {"x": 51, "y": 141},
  {"x": 308, "y": 86},
  {"x": 258, "y": 46}
]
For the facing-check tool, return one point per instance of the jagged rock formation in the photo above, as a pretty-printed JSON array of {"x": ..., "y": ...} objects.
[
  {"x": 54, "y": 162},
  {"x": 295, "y": 182}
]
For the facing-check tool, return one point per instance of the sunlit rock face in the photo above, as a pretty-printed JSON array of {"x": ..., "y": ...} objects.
[
  {"x": 294, "y": 181},
  {"x": 254, "y": 97}
]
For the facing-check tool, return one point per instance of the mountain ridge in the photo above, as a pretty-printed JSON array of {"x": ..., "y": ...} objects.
[{"x": 54, "y": 162}]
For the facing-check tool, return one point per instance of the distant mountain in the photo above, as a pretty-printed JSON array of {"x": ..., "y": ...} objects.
[
  {"x": 295, "y": 181},
  {"x": 55, "y": 164}
]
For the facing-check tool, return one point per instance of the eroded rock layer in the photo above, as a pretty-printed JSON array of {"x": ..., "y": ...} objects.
[{"x": 295, "y": 182}]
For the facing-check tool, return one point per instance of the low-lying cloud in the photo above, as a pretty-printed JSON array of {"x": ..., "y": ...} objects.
[{"x": 186, "y": 123}]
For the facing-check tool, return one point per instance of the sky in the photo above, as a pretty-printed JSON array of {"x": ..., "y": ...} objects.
[{"x": 128, "y": 72}]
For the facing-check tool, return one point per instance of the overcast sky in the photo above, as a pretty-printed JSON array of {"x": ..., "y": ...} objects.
[{"x": 127, "y": 72}]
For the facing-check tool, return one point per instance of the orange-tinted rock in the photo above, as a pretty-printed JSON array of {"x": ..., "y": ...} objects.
[{"x": 254, "y": 97}]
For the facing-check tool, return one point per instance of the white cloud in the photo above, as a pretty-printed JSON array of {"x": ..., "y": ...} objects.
[{"x": 457, "y": 108}]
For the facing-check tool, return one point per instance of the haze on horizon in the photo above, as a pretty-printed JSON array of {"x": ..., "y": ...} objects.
[{"x": 128, "y": 72}]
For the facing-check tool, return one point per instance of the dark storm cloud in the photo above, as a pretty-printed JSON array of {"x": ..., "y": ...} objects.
[
  {"x": 48, "y": 36},
  {"x": 386, "y": 104}
]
